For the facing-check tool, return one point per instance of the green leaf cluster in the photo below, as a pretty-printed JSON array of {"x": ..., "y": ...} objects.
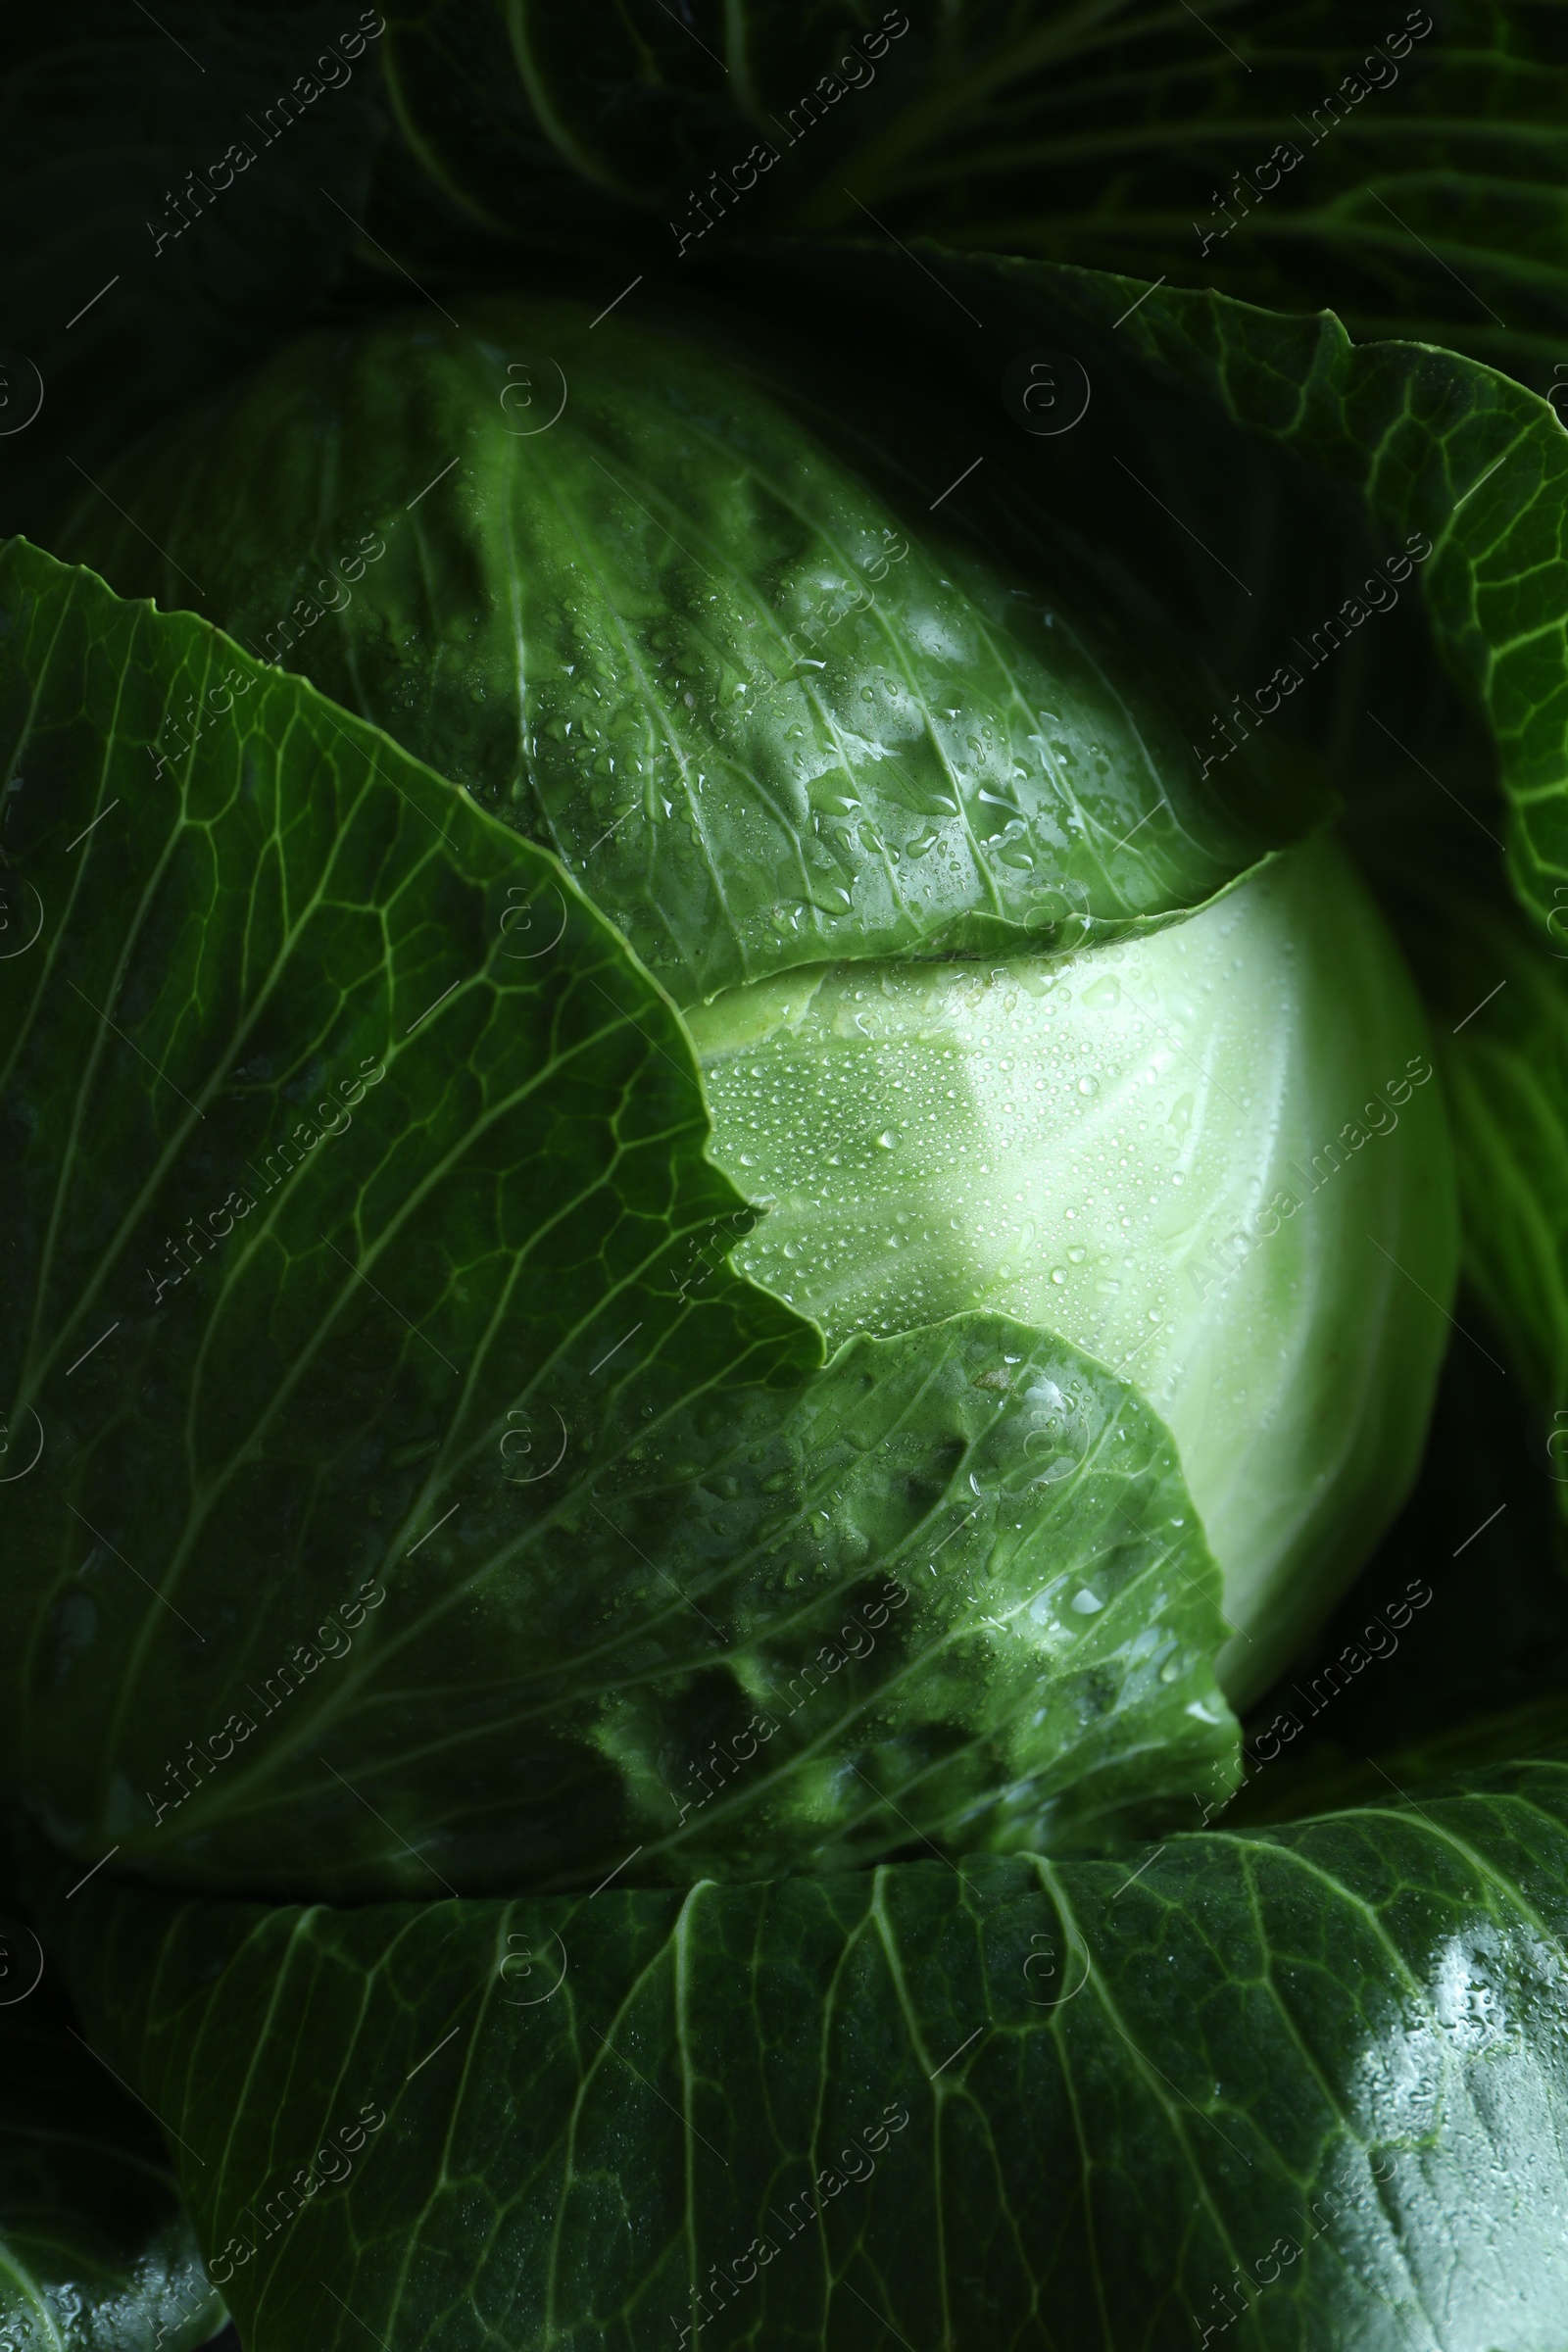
[{"x": 557, "y": 1806}]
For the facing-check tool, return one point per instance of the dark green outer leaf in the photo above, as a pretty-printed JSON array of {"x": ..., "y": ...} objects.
[
  {"x": 1400, "y": 165},
  {"x": 1404, "y": 166},
  {"x": 426, "y": 1520},
  {"x": 1499, "y": 997},
  {"x": 471, "y": 137},
  {"x": 765, "y": 710},
  {"x": 1386, "y": 441},
  {"x": 1311, "y": 2084}
]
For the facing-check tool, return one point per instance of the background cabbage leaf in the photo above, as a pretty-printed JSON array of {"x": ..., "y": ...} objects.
[
  {"x": 1402, "y": 167},
  {"x": 1260, "y": 2079}
]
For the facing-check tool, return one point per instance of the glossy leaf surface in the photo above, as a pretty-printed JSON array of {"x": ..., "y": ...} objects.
[{"x": 1310, "y": 2082}]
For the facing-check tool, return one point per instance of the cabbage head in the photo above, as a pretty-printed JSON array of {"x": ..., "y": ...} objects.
[{"x": 1002, "y": 1002}]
